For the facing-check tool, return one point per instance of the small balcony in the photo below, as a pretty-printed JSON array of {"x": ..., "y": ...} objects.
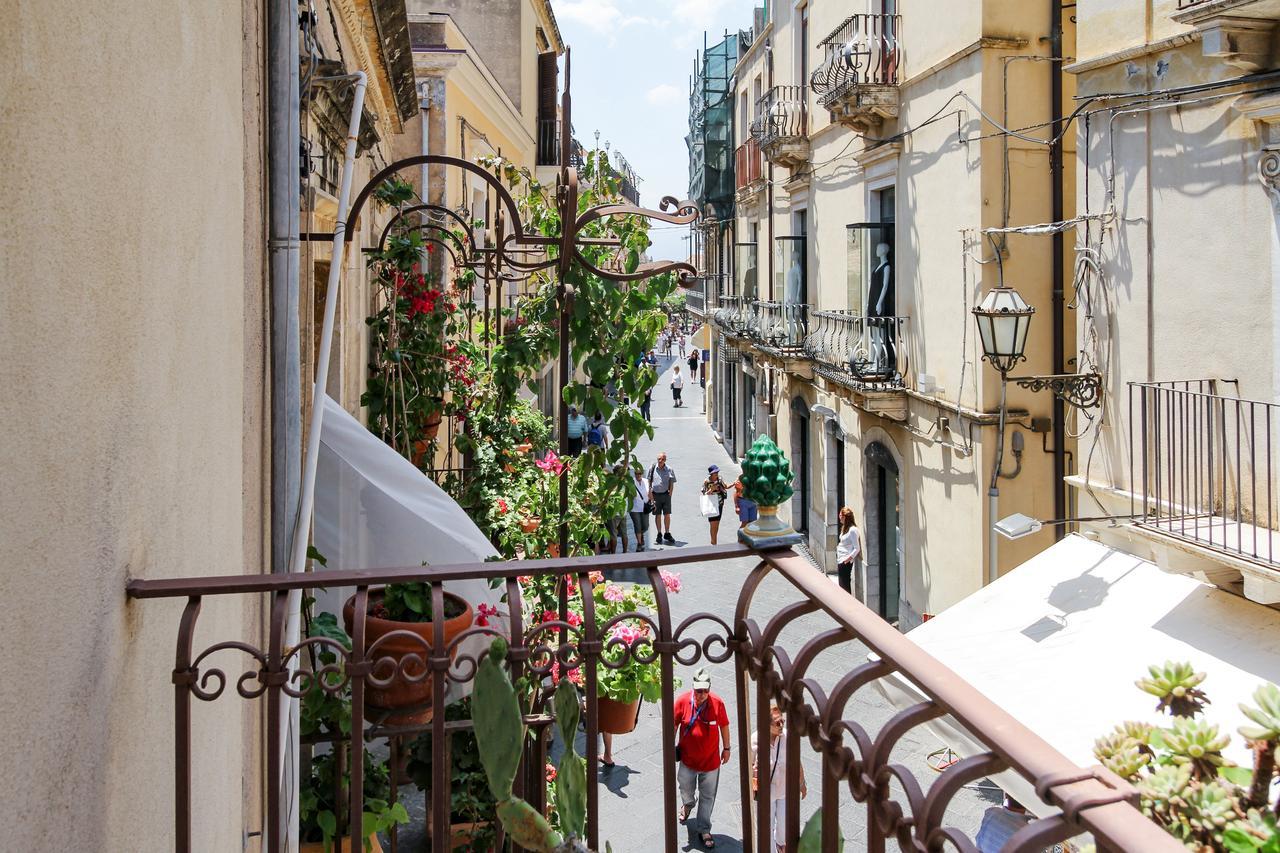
[
  {"x": 783, "y": 633},
  {"x": 781, "y": 127},
  {"x": 734, "y": 316},
  {"x": 548, "y": 142},
  {"x": 1237, "y": 32},
  {"x": 858, "y": 351},
  {"x": 748, "y": 171},
  {"x": 858, "y": 80},
  {"x": 780, "y": 328},
  {"x": 1203, "y": 468}
]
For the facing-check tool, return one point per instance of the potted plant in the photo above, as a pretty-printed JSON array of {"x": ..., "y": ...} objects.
[
  {"x": 323, "y": 824},
  {"x": 766, "y": 478},
  {"x": 406, "y": 608},
  {"x": 619, "y": 690},
  {"x": 471, "y": 817}
]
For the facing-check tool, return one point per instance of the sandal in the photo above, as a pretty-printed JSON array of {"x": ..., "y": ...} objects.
[
  {"x": 707, "y": 841},
  {"x": 684, "y": 813}
]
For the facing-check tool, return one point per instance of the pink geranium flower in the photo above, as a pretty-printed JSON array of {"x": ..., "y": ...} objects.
[
  {"x": 613, "y": 592},
  {"x": 551, "y": 463},
  {"x": 502, "y": 506},
  {"x": 671, "y": 581},
  {"x": 626, "y": 634},
  {"x": 483, "y": 612}
]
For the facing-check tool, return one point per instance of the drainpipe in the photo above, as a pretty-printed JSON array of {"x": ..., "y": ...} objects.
[
  {"x": 768, "y": 64},
  {"x": 302, "y": 530},
  {"x": 1056, "y": 176},
  {"x": 283, "y": 191}
]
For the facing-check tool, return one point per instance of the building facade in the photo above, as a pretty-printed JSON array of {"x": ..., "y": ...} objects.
[
  {"x": 872, "y": 164},
  {"x": 1178, "y": 267}
]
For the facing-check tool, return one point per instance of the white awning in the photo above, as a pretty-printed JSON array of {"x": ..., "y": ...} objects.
[{"x": 1060, "y": 641}]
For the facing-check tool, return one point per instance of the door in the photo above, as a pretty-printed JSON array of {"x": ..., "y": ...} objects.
[
  {"x": 800, "y": 464},
  {"x": 884, "y": 532}
]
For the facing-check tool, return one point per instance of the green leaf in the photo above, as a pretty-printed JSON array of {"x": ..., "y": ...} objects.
[
  {"x": 1237, "y": 841},
  {"x": 811, "y": 837},
  {"x": 1236, "y": 775},
  {"x": 313, "y": 554},
  {"x": 328, "y": 823}
]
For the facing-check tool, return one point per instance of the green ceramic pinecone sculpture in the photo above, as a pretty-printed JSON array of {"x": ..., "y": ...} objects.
[{"x": 766, "y": 474}]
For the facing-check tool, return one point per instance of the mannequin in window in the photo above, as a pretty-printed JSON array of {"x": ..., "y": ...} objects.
[
  {"x": 880, "y": 311},
  {"x": 792, "y": 296}
]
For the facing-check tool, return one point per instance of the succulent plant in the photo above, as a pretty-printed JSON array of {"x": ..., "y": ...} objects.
[
  {"x": 1210, "y": 809},
  {"x": 500, "y": 734},
  {"x": 1123, "y": 755},
  {"x": 1266, "y": 715},
  {"x": 1198, "y": 743},
  {"x": 1177, "y": 687},
  {"x": 766, "y": 474}
]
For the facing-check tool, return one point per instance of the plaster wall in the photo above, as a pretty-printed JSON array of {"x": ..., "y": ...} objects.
[
  {"x": 1114, "y": 25},
  {"x": 1188, "y": 264},
  {"x": 132, "y": 354}
]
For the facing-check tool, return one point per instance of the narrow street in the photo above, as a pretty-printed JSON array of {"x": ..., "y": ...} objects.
[{"x": 631, "y": 803}]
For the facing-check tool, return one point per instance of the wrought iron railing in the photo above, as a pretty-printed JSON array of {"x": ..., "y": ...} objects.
[
  {"x": 781, "y": 116},
  {"x": 748, "y": 163},
  {"x": 735, "y": 315},
  {"x": 857, "y": 761},
  {"x": 695, "y": 299},
  {"x": 1202, "y": 467},
  {"x": 863, "y": 50},
  {"x": 781, "y": 325},
  {"x": 548, "y": 142},
  {"x": 857, "y": 348}
]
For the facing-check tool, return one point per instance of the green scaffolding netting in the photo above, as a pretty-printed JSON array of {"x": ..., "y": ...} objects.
[{"x": 710, "y": 138}]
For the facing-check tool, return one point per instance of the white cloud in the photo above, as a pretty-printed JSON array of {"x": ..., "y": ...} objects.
[
  {"x": 603, "y": 17},
  {"x": 663, "y": 93}
]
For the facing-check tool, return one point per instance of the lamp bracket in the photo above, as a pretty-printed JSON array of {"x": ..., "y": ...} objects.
[{"x": 1082, "y": 390}]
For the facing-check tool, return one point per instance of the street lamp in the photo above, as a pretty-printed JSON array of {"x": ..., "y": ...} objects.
[{"x": 1003, "y": 318}]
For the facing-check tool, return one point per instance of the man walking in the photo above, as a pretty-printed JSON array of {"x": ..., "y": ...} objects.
[
  {"x": 662, "y": 485},
  {"x": 702, "y": 744},
  {"x": 577, "y": 429}
]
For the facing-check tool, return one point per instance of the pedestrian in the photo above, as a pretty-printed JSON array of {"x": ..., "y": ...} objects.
[
  {"x": 652, "y": 359},
  {"x": 576, "y": 430},
  {"x": 677, "y": 386},
  {"x": 746, "y": 508},
  {"x": 777, "y": 781},
  {"x": 664, "y": 342},
  {"x": 848, "y": 549},
  {"x": 693, "y": 365},
  {"x": 682, "y": 346},
  {"x": 714, "y": 488},
  {"x": 641, "y": 507},
  {"x": 646, "y": 405},
  {"x": 662, "y": 485},
  {"x": 598, "y": 433},
  {"x": 702, "y": 725}
]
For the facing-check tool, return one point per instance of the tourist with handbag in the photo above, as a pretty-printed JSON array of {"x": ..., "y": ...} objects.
[
  {"x": 702, "y": 747},
  {"x": 777, "y": 775},
  {"x": 641, "y": 507},
  {"x": 714, "y": 492}
]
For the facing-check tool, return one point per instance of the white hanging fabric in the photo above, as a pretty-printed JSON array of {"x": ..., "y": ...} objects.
[{"x": 374, "y": 509}]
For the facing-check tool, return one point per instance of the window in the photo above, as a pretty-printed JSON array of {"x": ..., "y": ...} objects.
[{"x": 803, "y": 49}]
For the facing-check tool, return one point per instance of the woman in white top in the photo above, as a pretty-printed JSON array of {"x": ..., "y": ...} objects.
[
  {"x": 777, "y": 781},
  {"x": 677, "y": 386},
  {"x": 640, "y": 518},
  {"x": 848, "y": 550}
]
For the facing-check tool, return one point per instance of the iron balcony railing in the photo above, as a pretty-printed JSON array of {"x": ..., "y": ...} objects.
[
  {"x": 748, "y": 163},
  {"x": 863, "y": 50},
  {"x": 1202, "y": 467},
  {"x": 548, "y": 142},
  {"x": 781, "y": 116},
  {"x": 735, "y": 315},
  {"x": 860, "y": 349},
  {"x": 824, "y": 623},
  {"x": 780, "y": 325},
  {"x": 695, "y": 299}
]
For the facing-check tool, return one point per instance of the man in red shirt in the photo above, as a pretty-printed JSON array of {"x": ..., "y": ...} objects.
[{"x": 702, "y": 740}]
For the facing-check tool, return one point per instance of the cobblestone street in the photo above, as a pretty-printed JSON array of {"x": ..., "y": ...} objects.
[{"x": 631, "y": 806}]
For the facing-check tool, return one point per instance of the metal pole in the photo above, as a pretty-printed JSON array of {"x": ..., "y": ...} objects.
[
  {"x": 1056, "y": 175},
  {"x": 283, "y": 194}
]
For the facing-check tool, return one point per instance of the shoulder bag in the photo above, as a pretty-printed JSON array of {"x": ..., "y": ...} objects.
[{"x": 684, "y": 730}]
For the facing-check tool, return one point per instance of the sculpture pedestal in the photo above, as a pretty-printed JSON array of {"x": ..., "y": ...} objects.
[{"x": 768, "y": 532}]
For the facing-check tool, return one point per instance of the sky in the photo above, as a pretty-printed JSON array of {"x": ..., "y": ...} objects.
[{"x": 632, "y": 60}]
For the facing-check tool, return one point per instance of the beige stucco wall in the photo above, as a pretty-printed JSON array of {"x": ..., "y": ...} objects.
[
  {"x": 131, "y": 351},
  {"x": 944, "y": 184}
]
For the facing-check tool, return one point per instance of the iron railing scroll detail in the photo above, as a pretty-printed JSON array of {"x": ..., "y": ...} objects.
[
  {"x": 855, "y": 759},
  {"x": 855, "y": 349}
]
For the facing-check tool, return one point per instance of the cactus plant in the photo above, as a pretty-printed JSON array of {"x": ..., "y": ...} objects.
[
  {"x": 1177, "y": 687},
  {"x": 1263, "y": 737},
  {"x": 500, "y": 735},
  {"x": 766, "y": 474}
]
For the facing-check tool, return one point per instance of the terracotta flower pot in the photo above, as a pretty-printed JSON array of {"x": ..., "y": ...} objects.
[
  {"x": 340, "y": 845},
  {"x": 553, "y": 550},
  {"x": 617, "y": 718},
  {"x": 402, "y": 693},
  {"x": 524, "y": 448},
  {"x": 530, "y": 524}
]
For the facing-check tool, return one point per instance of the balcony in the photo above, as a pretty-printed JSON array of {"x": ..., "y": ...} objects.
[
  {"x": 734, "y": 316},
  {"x": 1203, "y": 468},
  {"x": 858, "y": 80},
  {"x": 780, "y": 328},
  {"x": 785, "y": 635},
  {"x": 748, "y": 172},
  {"x": 548, "y": 142},
  {"x": 1237, "y": 32},
  {"x": 866, "y": 355},
  {"x": 781, "y": 127}
]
